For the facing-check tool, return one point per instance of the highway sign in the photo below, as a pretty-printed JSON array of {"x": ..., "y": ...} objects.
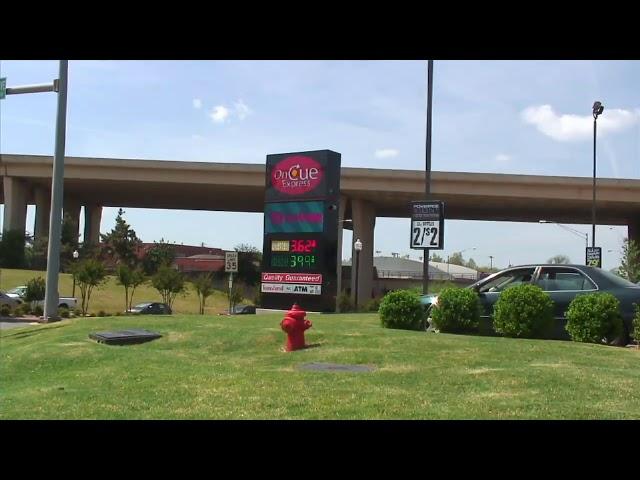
[
  {"x": 3, "y": 88},
  {"x": 231, "y": 262}
]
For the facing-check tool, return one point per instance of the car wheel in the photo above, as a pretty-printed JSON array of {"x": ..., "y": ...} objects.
[{"x": 63, "y": 305}]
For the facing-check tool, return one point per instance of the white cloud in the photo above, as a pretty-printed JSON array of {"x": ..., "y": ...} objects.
[
  {"x": 386, "y": 153},
  {"x": 219, "y": 113},
  {"x": 197, "y": 103},
  {"x": 569, "y": 127},
  {"x": 242, "y": 109},
  {"x": 503, "y": 157}
]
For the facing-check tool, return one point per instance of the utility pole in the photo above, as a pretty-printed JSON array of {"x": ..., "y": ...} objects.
[
  {"x": 52, "y": 295},
  {"x": 55, "y": 220}
]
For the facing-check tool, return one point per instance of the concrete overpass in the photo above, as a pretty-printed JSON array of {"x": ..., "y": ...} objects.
[{"x": 366, "y": 193}]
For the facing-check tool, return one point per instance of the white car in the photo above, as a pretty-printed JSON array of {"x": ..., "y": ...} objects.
[
  {"x": 18, "y": 295},
  {"x": 6, "y": 300}
]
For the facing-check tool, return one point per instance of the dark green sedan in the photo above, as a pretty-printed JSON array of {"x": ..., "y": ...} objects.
[{"x": 562, "y": 283}]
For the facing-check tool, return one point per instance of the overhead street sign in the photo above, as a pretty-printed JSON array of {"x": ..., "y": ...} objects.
[{"x": 3, "y": 88}]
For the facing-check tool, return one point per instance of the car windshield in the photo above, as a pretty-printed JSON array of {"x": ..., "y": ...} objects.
[
  {"x": 17, "y": 290},
  {"x": 616, "y": 280},
  {"x": 141, "y": 305}
]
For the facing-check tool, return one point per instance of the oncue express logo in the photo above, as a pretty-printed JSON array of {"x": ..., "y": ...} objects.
[{"x": 296, "y": 175}]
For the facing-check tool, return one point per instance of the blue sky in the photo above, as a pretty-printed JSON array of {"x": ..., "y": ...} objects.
[{"x": 528, "y": 117}]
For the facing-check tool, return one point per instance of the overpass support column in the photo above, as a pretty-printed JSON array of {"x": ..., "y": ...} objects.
[
  {"x": 92, "y": 218},
  {"x": 633, "y": 229},
  {"x": 364, "y": 222},
  {"x": 341, "y": 210},
  {"x": 43, "y": 213},
  {"x": 15, "y": 204},
  {"x": 72, "y": 208}
]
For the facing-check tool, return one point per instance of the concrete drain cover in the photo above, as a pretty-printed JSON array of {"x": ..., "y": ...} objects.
[{"x": 335, "y": 367}]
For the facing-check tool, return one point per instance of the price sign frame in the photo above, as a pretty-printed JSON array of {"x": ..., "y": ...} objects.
[
  {"x": 426, "y": 216},
  {"x": 231, "y": 262},
  {"x": 593, "y": 257}
]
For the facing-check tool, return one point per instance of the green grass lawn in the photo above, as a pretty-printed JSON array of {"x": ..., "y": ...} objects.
[
  {"x": 212, "y": 367},
  {"x": 110, "y": 296}
]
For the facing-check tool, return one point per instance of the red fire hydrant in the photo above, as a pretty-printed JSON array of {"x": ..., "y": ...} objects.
[{"x": 294, "y": 325}]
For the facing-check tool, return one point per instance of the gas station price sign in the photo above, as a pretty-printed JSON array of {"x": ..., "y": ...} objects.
[{"x": 295, "y": 253}]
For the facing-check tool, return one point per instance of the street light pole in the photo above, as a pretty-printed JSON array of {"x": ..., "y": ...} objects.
[
  {"x": 569, "y": 229},
  {"x": 73, "y": 273},
  {"x": 491, "y": 265},
  {"x": 357, "y": 246},
  {"x": 59, "y": 85},
  {"x": 57, "y": 185},
  {"x": 597, "y": 110}
]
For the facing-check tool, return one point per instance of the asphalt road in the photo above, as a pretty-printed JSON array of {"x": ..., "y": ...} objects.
[{"x": 8, "y": 325}]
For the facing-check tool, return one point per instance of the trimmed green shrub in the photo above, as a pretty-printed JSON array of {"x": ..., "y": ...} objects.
[
  {"x": 594, "y": 317},
  {"x": 63, "y": 312},
  {"x": 344, "y": 303},
  {"x": 457, "y": 310},
  {"x": 21, "y": 310},
  {"x": 523, "y": 311},
  {"x": 38, "y": 311},
  {"x": 5, "y": 310},
  {"x": 401, "y": 309},
  {"x": 372, "y": 305},
  {"x": 101, "y": 313},
  {"x": 77, "y": 312}
]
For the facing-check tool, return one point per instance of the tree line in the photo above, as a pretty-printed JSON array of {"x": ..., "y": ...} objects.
[{"x": 118, "y": 254}]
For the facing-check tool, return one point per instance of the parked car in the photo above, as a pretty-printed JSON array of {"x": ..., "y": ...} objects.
[
  {"x": 6, "y": 300},
  {"x": 18, "y": 294},
  {"x": 563, "y": 283},
  {"x": 244, "y": 309},
  {"x": 150, "y": 308}
]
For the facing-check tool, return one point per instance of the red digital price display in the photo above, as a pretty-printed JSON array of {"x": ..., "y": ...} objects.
[{"x": 297, "y": 254}]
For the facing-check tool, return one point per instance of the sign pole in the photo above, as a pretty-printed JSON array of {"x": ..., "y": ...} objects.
[
  {"x": 425, "y": 272},
  {"x": 230, "y": 289}
]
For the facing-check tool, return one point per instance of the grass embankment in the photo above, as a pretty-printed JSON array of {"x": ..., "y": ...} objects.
[
  {"x": 211, "y": 367},
  {"x": 110, "y": 296}
]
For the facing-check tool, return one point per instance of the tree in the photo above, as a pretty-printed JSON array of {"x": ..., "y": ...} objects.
[
  {"x": 559, "y": 260},
  {"x": 472, "y": 264},
  {"x": 12, "y": 251},
  {"x": 203, "y": 285},
  {"x": 630, "y": 268},
  {"x": 162, "y": 253},
  {"x": 130, "y": 279},
  {"x": 90, "y": 273},
  {"x": 249, "y": 258},
  {"x": 436, "y": 258},
  {"x": 236, "y": 295},
  {"x": 68, "y": 243},
  {"x": 169, "y": 283},
  {"x": 122, "y": 242},
  {"x": 457, "y": 259},
  {"x": 35, "y": 290}
]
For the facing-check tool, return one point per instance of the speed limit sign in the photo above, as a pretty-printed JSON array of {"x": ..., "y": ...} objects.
[{"x": 427, "y": 225}]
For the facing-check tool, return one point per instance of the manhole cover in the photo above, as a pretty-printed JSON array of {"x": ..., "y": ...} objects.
[
  {"x": 336, "y": 367},
  {"x": 124, "y": 337}
]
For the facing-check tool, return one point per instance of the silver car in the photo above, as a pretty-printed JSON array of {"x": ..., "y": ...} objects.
[{"x": 6, "y": 300}]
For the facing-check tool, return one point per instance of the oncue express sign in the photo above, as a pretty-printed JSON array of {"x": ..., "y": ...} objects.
[{"x": 300, "y": 248}]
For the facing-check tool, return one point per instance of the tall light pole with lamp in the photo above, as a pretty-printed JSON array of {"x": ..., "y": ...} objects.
[
  {"x": 357, "y": 246},
  {"x": 569, "y": 229},
  {"x": 597, "y": 110},
  {"x": 76, "y": 255}
]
